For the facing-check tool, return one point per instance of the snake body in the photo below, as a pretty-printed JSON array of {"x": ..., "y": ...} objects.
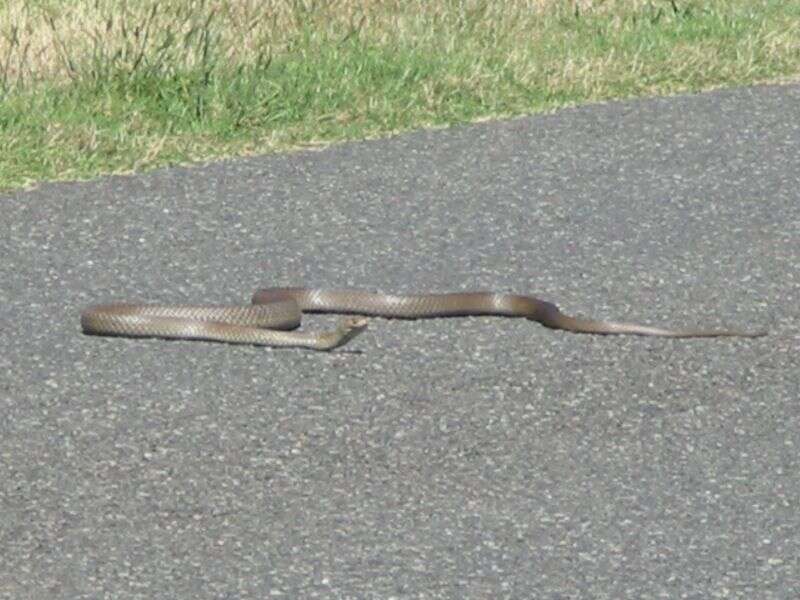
[
  {"x": 275, "y": 310},
  {"x": 263, "y": 325}
]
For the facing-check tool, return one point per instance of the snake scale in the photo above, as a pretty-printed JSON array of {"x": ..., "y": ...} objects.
[{"x": 274, "y": 311}]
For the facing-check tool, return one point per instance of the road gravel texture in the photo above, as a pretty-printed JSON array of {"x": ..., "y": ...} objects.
[{"x": 454, "y": 458}]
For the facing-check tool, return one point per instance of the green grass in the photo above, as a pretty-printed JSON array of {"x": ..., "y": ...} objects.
[{"x": 97, "y": 90}]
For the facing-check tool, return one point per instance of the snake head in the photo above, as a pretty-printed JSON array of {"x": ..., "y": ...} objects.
[{"x": 347, "y": 329}]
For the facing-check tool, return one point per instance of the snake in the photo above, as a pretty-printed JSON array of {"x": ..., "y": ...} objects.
[{"x": 275, "y": 312}]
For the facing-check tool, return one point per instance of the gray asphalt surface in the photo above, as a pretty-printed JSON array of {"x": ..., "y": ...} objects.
[{"x": 460, "y": 458}]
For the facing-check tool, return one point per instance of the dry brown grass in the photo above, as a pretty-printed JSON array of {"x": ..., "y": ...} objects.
[{"x": 45, "y": 39}]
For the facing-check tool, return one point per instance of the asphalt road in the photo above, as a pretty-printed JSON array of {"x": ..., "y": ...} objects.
[{"x": 457, "y": 458}]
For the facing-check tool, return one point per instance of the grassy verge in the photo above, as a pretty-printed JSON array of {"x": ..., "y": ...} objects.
[{"x": 99, "y": 86}]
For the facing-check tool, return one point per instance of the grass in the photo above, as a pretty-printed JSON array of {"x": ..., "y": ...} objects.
[{"x": 101, "y": 86}]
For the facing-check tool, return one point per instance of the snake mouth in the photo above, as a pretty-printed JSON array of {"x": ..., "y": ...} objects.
[{"x": 357, "y": 322}]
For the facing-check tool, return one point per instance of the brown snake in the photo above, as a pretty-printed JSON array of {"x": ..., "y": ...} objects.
[{"x": 277, "y": 309}]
